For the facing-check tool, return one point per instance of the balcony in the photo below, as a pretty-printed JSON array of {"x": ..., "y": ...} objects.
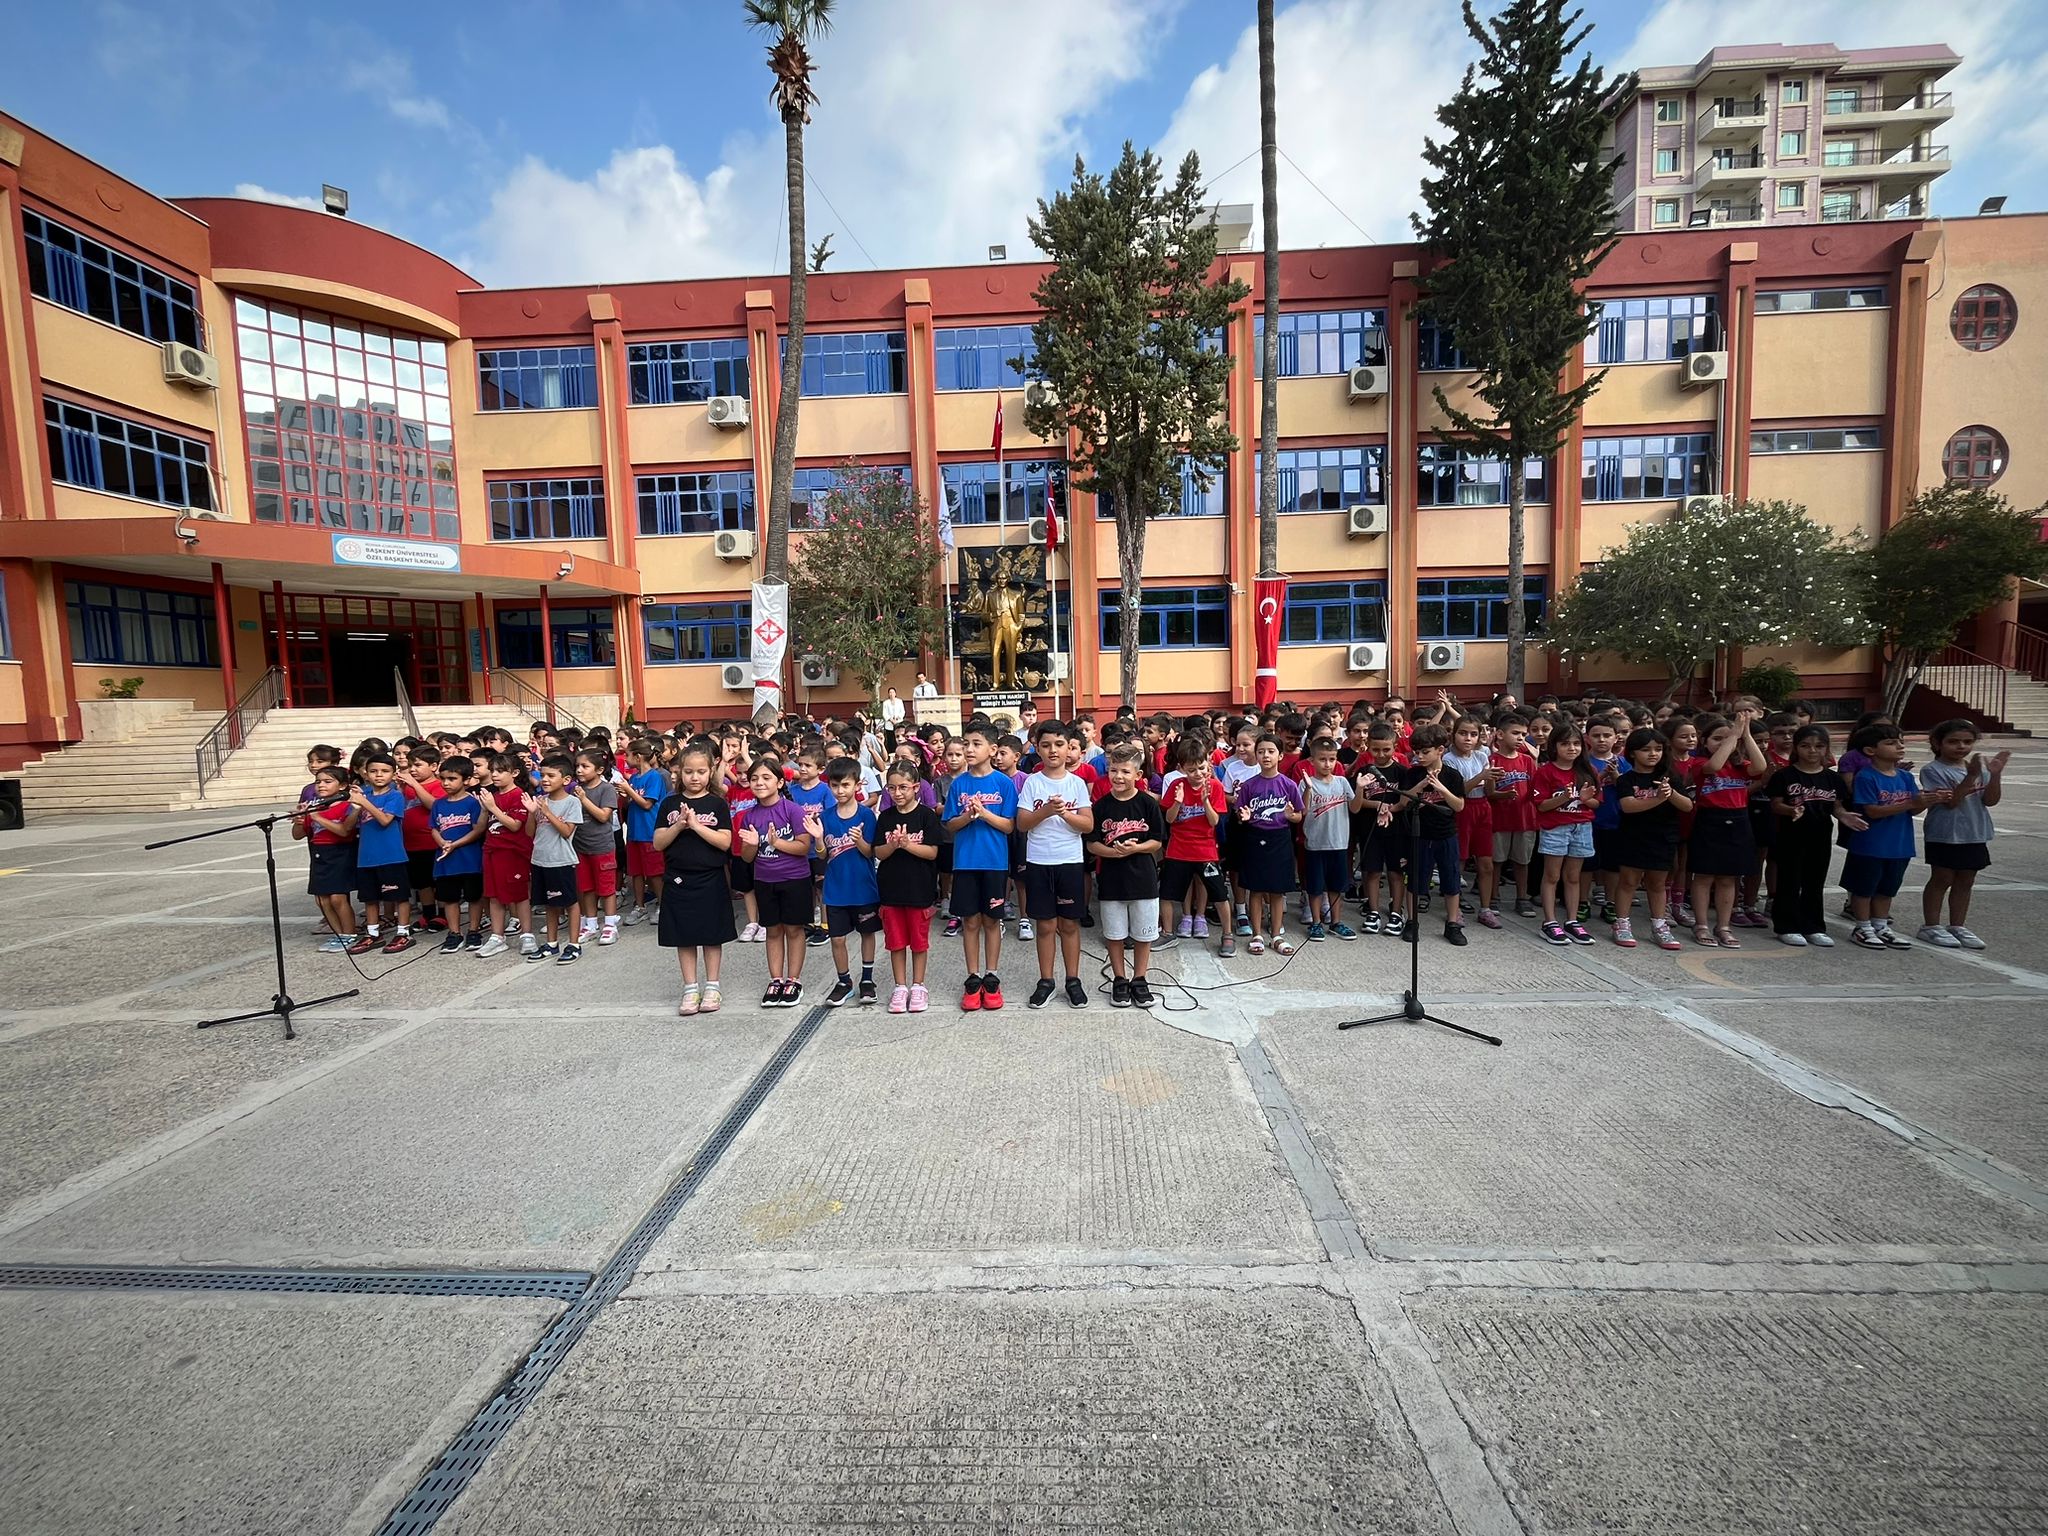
[
  {"x": 1730, "y": 169},
  {"x": 1897, "y": 120},
  {"x": 1922, "y": 162},
  {"x": 1735, "y": 213},
  {"x": 1730, "y": 118}
]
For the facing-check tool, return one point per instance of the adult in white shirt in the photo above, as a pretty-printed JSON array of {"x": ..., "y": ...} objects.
[
  {"x": 892, "y": 709},
  {"x": 925, "y": 688}
]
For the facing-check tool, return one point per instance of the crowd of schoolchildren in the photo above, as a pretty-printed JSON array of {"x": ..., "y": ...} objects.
[{"x": 1149, "y": 831}]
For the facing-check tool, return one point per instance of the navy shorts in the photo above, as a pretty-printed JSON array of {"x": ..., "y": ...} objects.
[
  {"x": 1439, "y": 854},
  {"x": 1325, "y": 871},
  {"x": 841, "y": 921},
  {"x": 1873, "y": 878},
  {"x": 554, "y": 885},
  {"x": 979, "y": 892}
]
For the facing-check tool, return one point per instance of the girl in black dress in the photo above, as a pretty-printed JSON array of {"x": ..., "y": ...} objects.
[
  {"x": 1646, "y": 842},
  {"x": 693, "y": 833}
]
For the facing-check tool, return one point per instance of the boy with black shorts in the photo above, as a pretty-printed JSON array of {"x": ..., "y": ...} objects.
[
  {"x": 456, "y": 824},
  {"x": 981, "y": 809},
  {"x": 1381, "y": 834},
  {"x": 552, "y": 825},
  {"x": 380, "y": 855},
  {"x": 1129, "y": 832},
  {"x": 1055, "y": 811},
  {"x": 421, "y": 781},
  {"x": 845, "y": 831}
]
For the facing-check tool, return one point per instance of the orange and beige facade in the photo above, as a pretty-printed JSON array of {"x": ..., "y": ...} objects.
[{"x": 237, "y": 436}]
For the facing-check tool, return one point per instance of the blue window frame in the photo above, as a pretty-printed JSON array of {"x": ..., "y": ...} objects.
[
  {"x": 79, "y": 273},
  {"x": 98, "y": 452},
  {"x": 1653, "y": 330},
  {"x": 1457, "y": 477},
  {"x": 811, "y": 486},
  {"x": 853, "y": 363},
  {"x": 979, "y": 356},
  {"x": 1331, "y": 479},
  {"x": 1646, "y": 468},
  {"x": 682, "y": 634},
  {"x": 139, "y": 626},
  {"x": 536, "y": 378},
  {"x": 1474, "y": 607},
  {"x": 1196, "y": 499},
  {"x": 547, "y": 509},
  {"x": 1335, "y": 612},
  {"x": 973, "y": 496},
  {"x": 582, "y": 637},
  {"x": 1316, "y": 342},
  {"x": 711, "y": 502},
  {"x": 686, "y": 372},
  {"x": 1170, "y": 618},
  {"x": 1436, "y": 351}
]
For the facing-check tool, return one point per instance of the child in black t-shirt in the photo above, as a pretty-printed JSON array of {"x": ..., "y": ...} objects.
[
  {"x": 1809, "y": 797},
  {"x": 693, "y": 835},
  {"x": 1130, "y": 831},
  {"x": 1435, "y": 790},
  {"x": 1646, "y": 843},
  {"x": 908, "y": 834}
]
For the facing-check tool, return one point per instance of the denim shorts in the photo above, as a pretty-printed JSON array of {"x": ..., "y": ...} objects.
[{"x": 1573, "y": 840}]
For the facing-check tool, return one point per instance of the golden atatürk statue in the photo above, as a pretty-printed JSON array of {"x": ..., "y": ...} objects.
[{"x": 1001, "y": 608}]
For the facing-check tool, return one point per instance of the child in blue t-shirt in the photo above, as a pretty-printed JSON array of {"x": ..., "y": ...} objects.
[
  {"x": 1888, "y": 799},
  {"x": 646, "y": 786},
  {"x": 810, "y": 793},
  {"x": 845, "y": 830},
  {"x": 981, "y": 811},
  {"x": 384, "y": 880},
  {"x": 457, "y": 823}
]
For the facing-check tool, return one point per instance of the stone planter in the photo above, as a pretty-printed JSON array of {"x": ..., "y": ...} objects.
[{"x": 119, "y": 719}]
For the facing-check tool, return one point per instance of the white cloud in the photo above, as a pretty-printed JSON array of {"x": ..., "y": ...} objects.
[
  {"x": 250, "y": 189},
  {"x": 640, "y": 217},
  {"x": 387, "y": 77}
]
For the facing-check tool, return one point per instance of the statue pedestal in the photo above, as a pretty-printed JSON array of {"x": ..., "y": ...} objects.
[{"x": 944, "y": 710}]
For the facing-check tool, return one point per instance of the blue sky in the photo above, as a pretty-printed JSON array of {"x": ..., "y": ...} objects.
[{"x": 540, "y": 141}]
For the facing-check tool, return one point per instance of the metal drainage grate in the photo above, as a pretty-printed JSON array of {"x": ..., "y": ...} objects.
[
  {"x": 444, "y": 1482},
  {"x": 560, "y": 1285}
]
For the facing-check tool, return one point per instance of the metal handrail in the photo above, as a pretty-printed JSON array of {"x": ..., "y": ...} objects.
[
  {"x": 1919, "y": 154},
  {"x": 231, "y": 730},
  {"x": 516, "y": 690},
  {"x": 412, "y": 721},
  {"x": 1870, "y": 101},
  {"x": 2022, "y": 649},
  {"x": 1975, "y": 682}
]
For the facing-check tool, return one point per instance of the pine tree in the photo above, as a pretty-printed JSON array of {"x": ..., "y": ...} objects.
[{"x": 1520, "y": 212}]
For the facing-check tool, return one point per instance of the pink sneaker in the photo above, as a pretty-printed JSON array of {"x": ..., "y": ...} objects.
[
  {"x": 899, "y": 1000},
  {"x": 1488, "y": 918},
  {"x": 920, "y": 1000}
]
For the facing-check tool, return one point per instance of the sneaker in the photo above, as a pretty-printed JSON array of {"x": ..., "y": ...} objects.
[
  {"x": 753, "y": 933},
  {"x": 1166, "y": 940},
  {"x": 1243, "y": 927},
  {"x": 514, "y": 929},
  {"x": 570, "y": 954},
  {"x": 1553, "y": 933},
  {"x": 528, "y": 943},
  {"x": 399, "y": 943},
  {"x": 1225, "y": 946},
  {"x": 335, "y": 946},
  {"x": 1317, "y": 933},
  {"x": 490, "y": 946},
  {"x": 363, "y": 943},
  {"x": 1009, "y": 912},
  {"x": 451, "y": 944},
  {"x": 1488, "y": 918},
  {"x": 1120, "y": 993},
  {"x": 435, "y": 924},
  {"x": 1201, "y": 927},
  {"x": 474, "y": 940},
  {"x": 814, "y": 937},
  {"x": 1185, "y": 928},
  {"x": 1893, "y": 939},
  {"x": 868, "y": 996},
  {"x": 1795, "y": 940},
  {"x": 991, "y": 991},
  {"x": 842, "y": 990},
  {"x": 1141, "y": 992},
  {"x": 1666, "y": 939},
  {"x": 1585, "y": 912},
  {"x": 1938, "y": 936},
  {"x": 1343, "y": 931},
  {"x": 1077, "y": 995},
  {"x": 1087, "y": 918},
  {"x": 538, "y": 952},
  {"x": 1369, "y": 921},
  {"x": 1394, "y": 925},
  {"x": 792, "y": 994},
  {"x": 1821, "y": 940},
  {"x": 899, "y": 1000},
  {"x": 587, "y": 932},
  {"x": 1578, "y": 933},
  {"x": 1454, "y": 933},
  {"x": 1608, "y": 914},
  {"x": 970, "y": 995},
  {"x": 1422, "y": 902},
  {"x": 1681, "y": 911},
  {"x": 631, "y": 917},
  {"x": 772, "y": 997},
  {"x": 1624, "y": 934},
  {"x": 1867, "y": 936},
  {"x": 1040, "y": 994},
  {"x": 920, "y": 999},
  {"x": 1526, "y": 909},
  {"x": 609, "y": 934},
  {"x": 1026, "y": 929},
  {"x": 1964, "y": 937},
  {"x": 952, "y": 927}
]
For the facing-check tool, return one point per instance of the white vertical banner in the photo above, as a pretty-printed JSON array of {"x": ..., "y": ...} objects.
[{"x": 770, "y": 643}]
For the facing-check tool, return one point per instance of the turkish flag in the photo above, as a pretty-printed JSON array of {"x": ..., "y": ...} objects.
[
  {"x": 1052, "y": 525},
  {"x": 1269, "y": 608},
  {"x": 996, "y": 445}
]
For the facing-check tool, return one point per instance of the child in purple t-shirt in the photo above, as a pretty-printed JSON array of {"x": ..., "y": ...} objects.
[
  {"x": 770, "y": 835},
  {"x": 1268, "y": 808}
]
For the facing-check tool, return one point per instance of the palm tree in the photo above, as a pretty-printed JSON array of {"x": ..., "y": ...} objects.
[
  {"x": 1269, "y": 361},
  {"x": 794, "y": 24}
]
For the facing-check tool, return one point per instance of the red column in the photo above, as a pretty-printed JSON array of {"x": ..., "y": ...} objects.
[
  {"x": 483, "y": 633},
  {"x": 224, "y": 637},
  {"x": 284, "y": 639},
  {"x": 547, "y": 650}
]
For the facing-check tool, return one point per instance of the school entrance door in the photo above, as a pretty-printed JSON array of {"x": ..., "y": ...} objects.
[{"x": 344, "y": 649}]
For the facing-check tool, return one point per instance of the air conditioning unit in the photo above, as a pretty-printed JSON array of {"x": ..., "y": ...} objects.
[
  {"x": 1689, "y": 506},
  {"x": 1702, "y": 368},
  {"x": 816, "y": 672},
  {"x": 1371, "y": 657},
  {"x": 190, "y": 366},
  {"x": 1366, "y": 383},
  {"x": 736, "y": 677},
  {"x": 1037, "y": 532},
  {"x": 1366, "y": 522},
  {"x": 1060, "y": 666},
  {"x": 733, "y": 544},
  {"x": 1443, "y": 656},
  {"x": 727, "y": 411},
  {"x": 1038, "y": 392}
]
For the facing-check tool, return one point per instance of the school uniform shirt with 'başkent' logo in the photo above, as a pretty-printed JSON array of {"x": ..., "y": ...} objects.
[{"x": 1118, "y": 823}]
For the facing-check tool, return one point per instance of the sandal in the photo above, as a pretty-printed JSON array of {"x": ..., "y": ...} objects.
[
  {"x": 688, "y": 1006},
  {"x": 1704, "y": 936},
  {"x": 1283, "y": 946},
  {"x": 1257, "y": 945},
  {"x": 710, "y": 1003},
  {"x": 1725, "y": 937},
  {"x": 1228, "y": 947}
]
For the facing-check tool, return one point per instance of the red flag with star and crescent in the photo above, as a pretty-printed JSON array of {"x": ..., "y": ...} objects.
[{"x": 1269, "y": 608}]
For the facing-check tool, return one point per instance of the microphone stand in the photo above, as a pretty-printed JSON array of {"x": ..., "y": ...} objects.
[
  {"x": 1412, "y": 1011},
  {"x": 281, "y": 1004}
]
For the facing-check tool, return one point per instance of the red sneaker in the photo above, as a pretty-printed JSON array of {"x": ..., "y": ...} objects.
[
  {"x": 363, "y": 943},
  {"x": 991, "y": 993},
  {"x": 970, "y": 998},
  {"x": 400, "y": 943}
]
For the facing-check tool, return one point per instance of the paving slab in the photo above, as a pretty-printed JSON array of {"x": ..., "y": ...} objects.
[
  {"x": 140, "y": 1413},
  {"x": 471, "y": 1142},
  {"x": 125, "y": 957},
  {"x": 1492, "y": 961},
  {"x": 1608, "y": 1129},
  {"x": 1099, "y": 1131},
  {"x": 1196, "y": 1412},
  {"x": 1748, "y": 1415}
]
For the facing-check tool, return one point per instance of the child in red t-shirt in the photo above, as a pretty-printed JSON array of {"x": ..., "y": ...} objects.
[
  {"x": 508, "y": 856},
  {"x": 1565, "y": 792},
  {"x": 1723, "y": 845},
  {"x": 1193, "y": 805},
  {"x": 328, "y": 822},
  {"x": 421, "y": 782},
  {"x": 1514, "y": 812}
]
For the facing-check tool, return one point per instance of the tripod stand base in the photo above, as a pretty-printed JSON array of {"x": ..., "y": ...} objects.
[
  {"x": 281, "y": 1007},
  {"x": 1412, "y": 1012}
]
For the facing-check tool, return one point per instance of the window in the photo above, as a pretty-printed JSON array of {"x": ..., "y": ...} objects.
[
  {"x": 1457, "y": 477},
  {"x": 1665, "y": 211},
  {"x": 1983, "y": 317},
  {"x": 79, "y": 273},
  {"x": 1474, "y": 607},
  {"x": 536, "y": 378},
  {"x": 1791, "y": 194},
  {"x": 1170, "y": 617},
  {"x": 139, "y": 626},
  {"x": 686, "y": 372},
  {"x": 1670, "y": 109},
  {"x": 1652, "y": 330},
  {"x": 1816, "y": 440},
  {"x": 1436, "y": 351},
  {"x": 1839, "y": 152},
  {"x": 1792, "y": 145},
  {"x": 1839, "y": 207},
  {"x": 582, "y": 637},
  {"x": 1667, "y": 162},
  {"x": 98, "y": 452},
  {"x": 1792, "y": 93},
  {"x": 348, "y": 424},
  {"x": 1196, "y": 499},
  {"x": 547, "y": 509},
  {"x": 1844, "y": 98},
  {"x": 977, "y": 499},
  {"x": 856, "y": 363},
  {"x": 678, "y": 634},
  {"x": 1324, "y": 341},
  {"x": 1974, "y": 456},
  {"x": 810, "y": 487},
  {"x": 1797, "y": 301},
  {"x": 979, "y": 356},
  {"x": 1646, "y": 468},
  {"x": 1331, "y": 479},
  {"x": 704, "y": 503},
  {"x": 1335, "y": 612}
]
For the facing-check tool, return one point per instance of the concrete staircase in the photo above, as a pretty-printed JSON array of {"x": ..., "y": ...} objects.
[
  {"x": 2026, "y": 701},
  {"x": 152, "y": 770},
  {"x": 270, "y": 769}
]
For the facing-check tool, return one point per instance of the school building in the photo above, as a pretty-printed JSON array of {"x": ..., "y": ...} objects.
[{"x": 242, "y": 441}]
